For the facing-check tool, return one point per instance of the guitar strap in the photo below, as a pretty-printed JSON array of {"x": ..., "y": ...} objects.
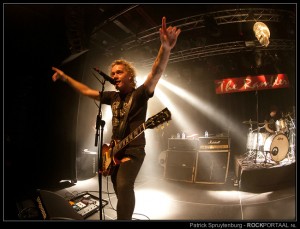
[{"x": 123, "y": 123}]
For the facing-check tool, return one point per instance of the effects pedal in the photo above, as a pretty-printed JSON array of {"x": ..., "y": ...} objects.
[{"x": 85, "y": 204}]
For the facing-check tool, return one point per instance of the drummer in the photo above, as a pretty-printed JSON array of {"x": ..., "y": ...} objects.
[{"x": 271, "y": 118}]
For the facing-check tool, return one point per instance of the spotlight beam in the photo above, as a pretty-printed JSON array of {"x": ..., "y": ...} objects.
[{"x": 206, "y": 108}]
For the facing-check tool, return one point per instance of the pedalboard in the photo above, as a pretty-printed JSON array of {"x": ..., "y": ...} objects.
[{"x": 86, "y": 204}]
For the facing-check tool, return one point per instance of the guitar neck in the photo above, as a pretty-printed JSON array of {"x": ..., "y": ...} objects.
[{"x": 133, "y": 135}]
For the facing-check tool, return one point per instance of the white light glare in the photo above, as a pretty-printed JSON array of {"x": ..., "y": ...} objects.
[{"x": 262, "y": 33}]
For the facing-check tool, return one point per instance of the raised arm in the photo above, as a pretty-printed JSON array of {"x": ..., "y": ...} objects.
[
  {"x": 79, "y": 87},
  {"x": 168, "y": 38}
]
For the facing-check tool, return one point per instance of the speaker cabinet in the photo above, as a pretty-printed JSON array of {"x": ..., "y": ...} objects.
[
  {"x": 180, "y": 165},
  {"x": 212, "y": 166},
  {"x": 88, "y": 166}
]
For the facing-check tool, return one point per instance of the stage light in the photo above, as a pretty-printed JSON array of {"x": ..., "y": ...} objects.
[{"x": 262, "y": 33}]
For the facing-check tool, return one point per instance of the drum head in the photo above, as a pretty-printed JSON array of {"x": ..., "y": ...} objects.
[{"x": 279, "y": 147}]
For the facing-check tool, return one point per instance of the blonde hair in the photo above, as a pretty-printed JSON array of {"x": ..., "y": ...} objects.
[{"x": 128, "y": 67}]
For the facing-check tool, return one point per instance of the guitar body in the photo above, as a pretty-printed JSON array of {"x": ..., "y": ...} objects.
[
  {"x": 111, "y": 153},
  {"x": 108, "y": 159}
]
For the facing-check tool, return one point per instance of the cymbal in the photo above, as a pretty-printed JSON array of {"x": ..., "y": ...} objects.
[
  {"x": 288, "y": 114},
  {"x": 250, "y": 122}
]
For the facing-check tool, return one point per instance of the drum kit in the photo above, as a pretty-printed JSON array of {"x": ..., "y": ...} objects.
[{"x": 275, "y": 148}]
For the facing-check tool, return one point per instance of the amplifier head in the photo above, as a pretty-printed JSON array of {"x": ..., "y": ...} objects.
[
  {"x": 182, "y": 144},
  {"x": 213, "y": 143}
]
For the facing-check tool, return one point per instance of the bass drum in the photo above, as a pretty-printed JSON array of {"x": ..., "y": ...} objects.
[{"x": 278, "y": 146}]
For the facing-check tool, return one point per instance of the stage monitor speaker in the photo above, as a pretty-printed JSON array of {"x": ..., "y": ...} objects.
[
  {"x": 263, "y": 179},
  {"x": 212, "y": 166},
  {"x": 180, "y": 165},
  {"x": 54, "y": 207}
]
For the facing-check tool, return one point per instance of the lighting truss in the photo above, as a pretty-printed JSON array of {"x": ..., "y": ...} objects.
[
  {"x": 221, "y": 18},
  {"x": 223, "y": 48}
]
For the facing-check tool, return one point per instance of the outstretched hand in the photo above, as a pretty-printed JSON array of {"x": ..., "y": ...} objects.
[
  {"x": 168, "y": 36},
  {"x": 59, "y": 74}
]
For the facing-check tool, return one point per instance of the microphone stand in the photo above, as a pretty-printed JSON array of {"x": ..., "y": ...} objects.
[
  {"x": 100, "y": 122},
  {"x": 257, "y": 139}
]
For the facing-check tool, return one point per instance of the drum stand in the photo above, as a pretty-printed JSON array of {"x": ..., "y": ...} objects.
[
  {"x": 257, "y": 150},
  {"x": 291, "y": 137},
  {"x": 259, "y": 146},
  {"x": 249, "y": 155},
  {"x": 268, "y": 159},
  {"x": 258, "y": 129},
  {"x": 291, "y": 153}
]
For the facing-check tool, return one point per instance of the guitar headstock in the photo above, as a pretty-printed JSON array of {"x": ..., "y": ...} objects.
[{"x": 158, "y": 119}]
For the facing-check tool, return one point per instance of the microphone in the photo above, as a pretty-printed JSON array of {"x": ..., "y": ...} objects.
[{"x": 106, "y": 77}]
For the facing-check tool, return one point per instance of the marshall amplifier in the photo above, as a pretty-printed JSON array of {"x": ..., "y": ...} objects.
[
  {"x": 212, "y": 166},
  {"x": 213, "y": 143},
  {"x": 212, "y": 160},
  {"x": 180, "y": 165},
  {"x": 182, "y": 144}
]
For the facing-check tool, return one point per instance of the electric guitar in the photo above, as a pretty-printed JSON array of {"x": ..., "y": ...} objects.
[{"x": 110, "y": 151}]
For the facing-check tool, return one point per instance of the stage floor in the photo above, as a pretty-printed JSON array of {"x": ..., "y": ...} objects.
[{"x": 159, "y": 199}]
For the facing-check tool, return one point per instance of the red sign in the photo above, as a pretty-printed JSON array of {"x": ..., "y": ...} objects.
[{"x": 251, "y": 83}]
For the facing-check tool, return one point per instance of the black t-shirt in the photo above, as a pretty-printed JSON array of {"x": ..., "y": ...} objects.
[
  {"x": 272, "y": 120},
  {"x": 136, "y": 115}
]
